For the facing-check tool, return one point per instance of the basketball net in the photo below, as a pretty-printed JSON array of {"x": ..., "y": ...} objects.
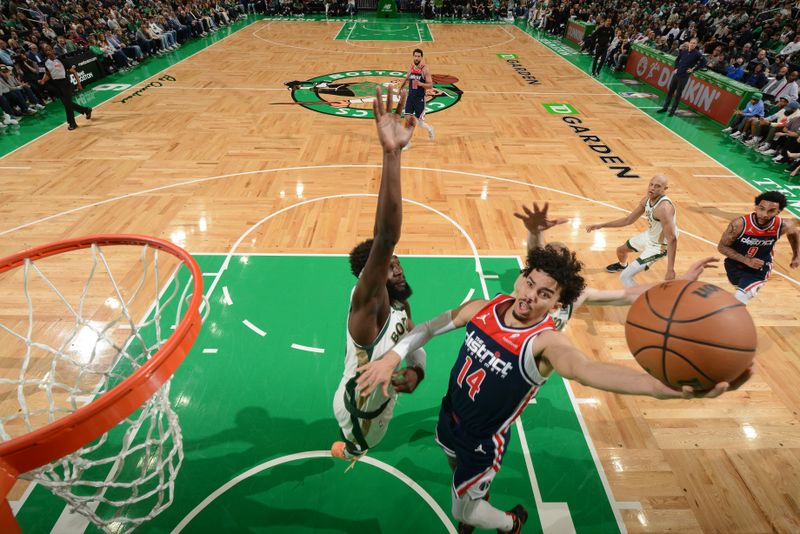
[{"x": 73, "y": 345}]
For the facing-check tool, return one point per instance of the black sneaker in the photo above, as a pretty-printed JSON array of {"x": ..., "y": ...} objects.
[
  {"x": 464, "y": 528},
  {"x": 615, "y": 267},
  {"x": 72, "y": 126},
  {"x": 662, "y": 110},
  {"x": 88, "y": 114},
  {"x": 520, "y": 515}
]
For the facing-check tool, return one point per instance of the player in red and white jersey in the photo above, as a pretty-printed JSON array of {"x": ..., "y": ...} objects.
[
  {"x": 511, "y": 347},
  {"x": 749, "y": 240}
]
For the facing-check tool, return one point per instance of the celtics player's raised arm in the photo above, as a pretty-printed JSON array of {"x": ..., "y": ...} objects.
[
  {"x": 370, "y": 296},
  {"x": 378, "y": 372}
]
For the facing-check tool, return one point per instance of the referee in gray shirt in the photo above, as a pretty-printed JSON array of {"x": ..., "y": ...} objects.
[{"x": 57, "y": 74}]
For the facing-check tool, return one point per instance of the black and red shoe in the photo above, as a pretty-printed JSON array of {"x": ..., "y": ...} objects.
[{"x": 520, "y": 515}]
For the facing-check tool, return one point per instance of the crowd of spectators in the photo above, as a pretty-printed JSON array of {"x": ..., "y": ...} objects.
[{"x": 121, "y": 33}]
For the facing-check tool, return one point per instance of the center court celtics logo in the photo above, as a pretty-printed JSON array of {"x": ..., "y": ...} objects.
[{"x": 350, "y": 94}]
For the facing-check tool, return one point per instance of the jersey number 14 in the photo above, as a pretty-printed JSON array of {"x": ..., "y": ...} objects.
[{"x": 474, "y": 380}]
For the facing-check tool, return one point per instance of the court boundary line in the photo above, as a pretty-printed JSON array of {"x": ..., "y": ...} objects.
[
  {"x": 408, "y": 481},
  {"x": 357, "y": 166}
]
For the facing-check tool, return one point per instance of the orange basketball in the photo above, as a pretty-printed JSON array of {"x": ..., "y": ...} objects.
[{"x": 691, "y": 333}]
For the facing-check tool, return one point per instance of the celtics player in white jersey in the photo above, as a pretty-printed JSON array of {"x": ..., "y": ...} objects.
[
  {"x": 379, "y": 312},
  {"x": 537, "y": 222},
  {"x": 659, "y": 240}
]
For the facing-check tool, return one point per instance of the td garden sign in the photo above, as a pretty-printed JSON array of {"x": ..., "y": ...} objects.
[{"x": 350, "y": 94}]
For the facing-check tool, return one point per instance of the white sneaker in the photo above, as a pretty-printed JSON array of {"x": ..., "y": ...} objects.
[
  {"x": 770, "y": 152},
  {"x": 39, "y": 106},
  {"x": 8, "y": 120},
  {"x": 727, "y": 130},
  {"x": 407, "y": 146},
  {"x": 736, "y": 135},
  {"x": 752, "y": 142},
  {"x": 763, "y": 146}
]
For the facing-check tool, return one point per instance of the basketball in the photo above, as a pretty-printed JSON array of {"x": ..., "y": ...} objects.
[{"x": 691, "y": 333}]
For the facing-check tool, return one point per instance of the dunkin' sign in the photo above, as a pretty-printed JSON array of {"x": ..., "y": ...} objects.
[
  {"x": 711, "y": 100},
  {"x": 575, "y": 32}
]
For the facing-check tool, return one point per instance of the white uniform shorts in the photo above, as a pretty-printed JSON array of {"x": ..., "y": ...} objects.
[{"x": 649, "y": 251}]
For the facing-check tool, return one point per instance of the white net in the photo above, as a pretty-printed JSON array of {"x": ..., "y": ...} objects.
[{"x": 82, "y": 322}]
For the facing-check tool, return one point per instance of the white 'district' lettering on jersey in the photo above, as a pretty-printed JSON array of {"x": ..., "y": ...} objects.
[
  {"x": 480, "y": 353},
  {"x": 757, "y": 241}
]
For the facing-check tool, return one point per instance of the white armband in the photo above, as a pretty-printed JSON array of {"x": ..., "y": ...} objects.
[{"x": 422, "y": 333}]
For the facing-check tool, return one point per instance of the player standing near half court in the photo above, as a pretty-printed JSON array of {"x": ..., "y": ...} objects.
[
  {"x": 749, "y": 240},
  {"x": 419, "y": 80},
  {"x": 659, "y": 240},
  {"x": 379, "y": 312},
  {"x": 510, "y": 348}
]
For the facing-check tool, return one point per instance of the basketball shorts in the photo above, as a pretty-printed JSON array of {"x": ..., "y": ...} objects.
[
  {"x": 649, "y": 251},
  {"x": 416, "y": 106},
  {"x": 362, "y": 423},
  {"x": 745, "y": 278},
  {"x": 477, "y": 460}
]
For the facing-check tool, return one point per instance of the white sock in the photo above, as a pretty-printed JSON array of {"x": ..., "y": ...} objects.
[
  {"x": 425, "y": 125},
  {"x": 633, "y": 268},
  {"x": 743, "y": 297},
  {"x": 480, "y": 514}
]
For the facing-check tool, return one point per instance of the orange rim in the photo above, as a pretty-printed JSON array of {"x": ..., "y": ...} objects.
[{"x": 86, "y": 424}]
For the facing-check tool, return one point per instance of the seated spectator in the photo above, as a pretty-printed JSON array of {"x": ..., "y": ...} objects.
[
  {"x": 790, "y": 88},
  {"x": 792, "y": 47},
  {"x": 761, "y": 57},
  {"x": 757, "y": 78},
  {"x": 754, "y": 108},
  {"x": 775, "y": 66},
  {"x": 735, "y": 70},
  {"x": 5, "y": 54},
  {"x": 716, "y": 61},
  {"x": 63, "y": 46},
  {"x": 22, "y": 90},
  {"x": 786, "y": 142},
  {"x": 765, "y": 130}
]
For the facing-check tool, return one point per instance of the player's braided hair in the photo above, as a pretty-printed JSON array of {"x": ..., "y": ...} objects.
[
  {"x": 359, "y": 255},
  {"x": 561, "y": 265},
  {"x": 772, "y": 196}
]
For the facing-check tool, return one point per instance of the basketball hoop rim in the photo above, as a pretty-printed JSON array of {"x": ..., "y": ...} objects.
[{"x": 79, "y": 428}]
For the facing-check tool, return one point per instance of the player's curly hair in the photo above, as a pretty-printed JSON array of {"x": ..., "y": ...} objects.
[
  {"x": 359, "y": 255},
  {"x": 772, "y": 196},
  {"x": 563, "y": 266}
]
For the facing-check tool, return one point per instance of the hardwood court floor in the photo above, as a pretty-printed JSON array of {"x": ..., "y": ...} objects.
[{"x": 201, "y": 159}]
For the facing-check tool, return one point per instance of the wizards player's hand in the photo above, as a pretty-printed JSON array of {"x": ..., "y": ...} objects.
[{"x": 377, "y": 373}]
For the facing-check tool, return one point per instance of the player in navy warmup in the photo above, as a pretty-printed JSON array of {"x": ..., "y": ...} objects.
[
  {"x": 749, "y": 240},
  {"x": 511, "y": 347},
  {"x": 419, "y": 80}
]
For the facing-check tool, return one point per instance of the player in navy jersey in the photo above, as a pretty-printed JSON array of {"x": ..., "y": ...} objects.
[
  {"x": 511, "y": 347},
  {"x": 419, "y": 80},
  {"x": 749, "y": 240}
]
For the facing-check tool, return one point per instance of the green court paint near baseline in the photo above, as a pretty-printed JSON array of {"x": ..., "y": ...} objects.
[{"x": 259, "y": 400}]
